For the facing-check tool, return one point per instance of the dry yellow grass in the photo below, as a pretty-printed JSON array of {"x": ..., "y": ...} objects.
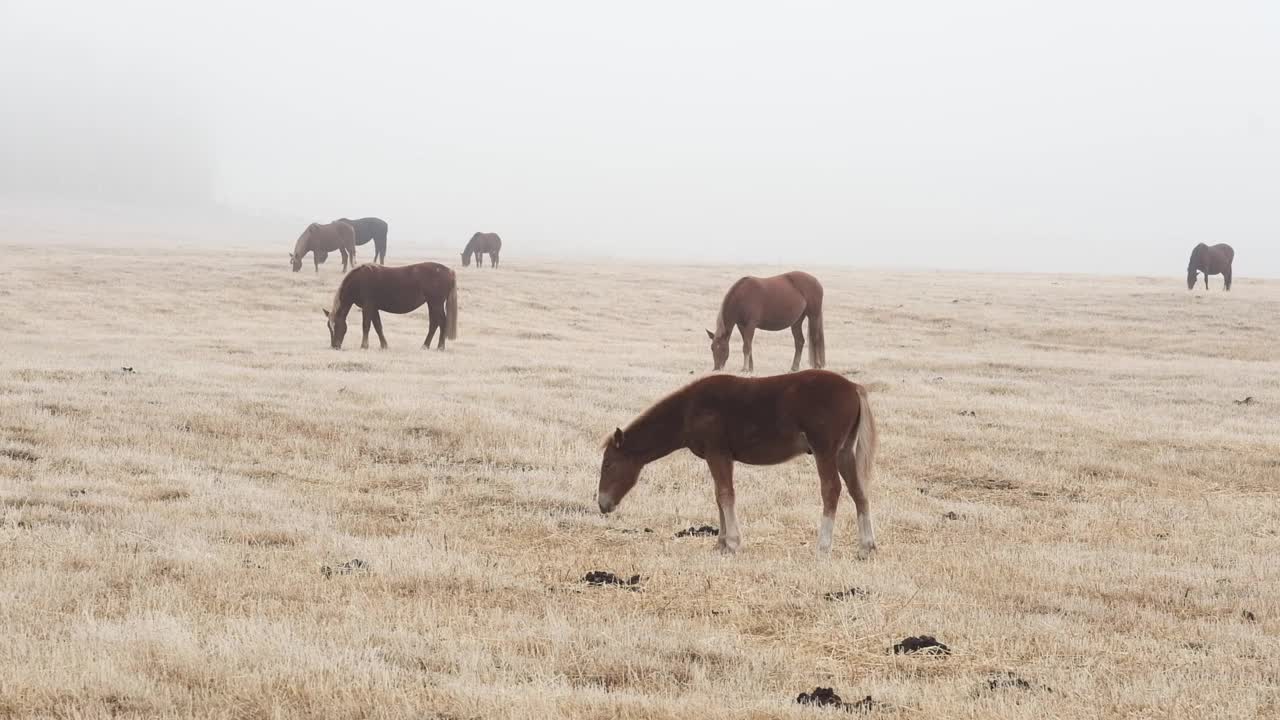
[{"x": 163, "y": 532}]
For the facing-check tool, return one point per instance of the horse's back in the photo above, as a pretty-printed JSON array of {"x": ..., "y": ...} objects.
[{"x": 818, "y": 403}]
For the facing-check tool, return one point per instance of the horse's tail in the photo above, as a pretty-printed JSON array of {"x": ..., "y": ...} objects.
[
  {"x": 380, "y": 243},
  {"x": 817, "y": 341},
  {"x": 865, "y": 441},
  {"x": 451, "y": 313}
]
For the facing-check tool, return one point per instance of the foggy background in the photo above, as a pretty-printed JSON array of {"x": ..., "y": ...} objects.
[{"x": 1084, "y": 137}]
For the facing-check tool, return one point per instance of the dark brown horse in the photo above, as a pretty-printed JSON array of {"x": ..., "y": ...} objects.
[
  {"x": 479, "y": 244},
  {"x": 758, "y": 421},
  {"x": 772, "y": 303},
  {"x": 320, "y": 240},
  {"x": 396, "y": 290},
  {"x": 371, "y": 228},
  {"x": 1215, "y": 260}
]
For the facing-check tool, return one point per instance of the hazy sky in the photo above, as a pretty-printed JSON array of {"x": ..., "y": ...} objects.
[{"x": 1081, "y": 136}]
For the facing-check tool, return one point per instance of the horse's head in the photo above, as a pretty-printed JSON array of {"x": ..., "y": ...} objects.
[
  {"x": 295, "y": 262},
  {"x": 618, "y": 473},
  {"x": 337, "y": 329},
  {"x": 466, "y": 259},
  {"x": 719, "y": 350},
  {"x": 1192, "y": 276}
]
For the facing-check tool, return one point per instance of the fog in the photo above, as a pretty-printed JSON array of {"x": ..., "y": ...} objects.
[{"x": 996, "y": 135}]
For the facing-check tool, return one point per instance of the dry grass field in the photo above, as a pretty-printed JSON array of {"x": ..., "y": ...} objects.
[{"x": 1067, "y": 491}]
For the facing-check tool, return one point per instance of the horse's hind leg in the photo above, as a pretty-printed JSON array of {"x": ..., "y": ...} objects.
[
  {"x": 866, "y": 531},
  {"x": 438, "y": 320},
  {"x": 433, "y": 317},
  {"x": 829, "y": 476},
  {"x": 377, "y": 325},
  {"x": 797, "y": 332},
  {"x": 1226, "y": 279}
]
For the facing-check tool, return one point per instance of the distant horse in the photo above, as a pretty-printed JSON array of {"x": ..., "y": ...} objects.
[
  {"x": 320, "y": 240},
  {"x": 397, "y": 290},
  {"x": 758, "y": 421},
  {"x": 1215, "y": 260},
  {"x": 375, "y": 229},
  {"x": 772, "y": 303},
  {"x": 482, "y": 243}
]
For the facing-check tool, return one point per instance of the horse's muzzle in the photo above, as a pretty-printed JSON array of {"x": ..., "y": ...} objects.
[{"x": 607, "y": 505}]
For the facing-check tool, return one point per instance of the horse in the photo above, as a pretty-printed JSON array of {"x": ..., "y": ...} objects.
[
  {"x": 482, "y": 243},
  {"x": 320, "y": 240},
  {"x": 1215, "y": 260},
  {"x": 371, "y": 228},
  {"x": 396, "y": 290},
  {"x": 757, "y": 421},
  {"x": 771, "y": 303}
]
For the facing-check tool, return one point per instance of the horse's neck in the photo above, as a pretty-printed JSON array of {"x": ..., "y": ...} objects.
[
  {"x": 300, "y": 247},
  {"x": 659, "y": 432}
]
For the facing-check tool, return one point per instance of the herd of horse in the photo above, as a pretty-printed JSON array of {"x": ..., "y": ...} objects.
[{"x": 721, "y": 419}]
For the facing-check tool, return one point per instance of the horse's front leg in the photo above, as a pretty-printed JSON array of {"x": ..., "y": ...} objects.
[
  {"x": 721, "y": 466},
  {"x": 316, "y": 259},
  {"x": 748, "y": 335}
]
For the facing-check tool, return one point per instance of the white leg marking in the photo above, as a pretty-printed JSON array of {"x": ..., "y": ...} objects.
[
  {"x": 825, "y": 528},
  {"x": 866, "y": 532}
]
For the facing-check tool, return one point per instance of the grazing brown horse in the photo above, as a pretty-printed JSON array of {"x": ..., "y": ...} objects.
[
  {"x": 320, "y": 240},
  {"x": 758, "y": 421},
  {"x": 396, "y": 290},
  {"x": 479, "y": 244},
  {"x": 1215, "y": 260},
  {"x": 772, "y": 303},
  {"x": 371, "y": 228}
]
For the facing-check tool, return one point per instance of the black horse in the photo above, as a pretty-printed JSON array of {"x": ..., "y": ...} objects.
[
  {"x": 375, "y": 229},
  {"x": 1215, "y": 260}
]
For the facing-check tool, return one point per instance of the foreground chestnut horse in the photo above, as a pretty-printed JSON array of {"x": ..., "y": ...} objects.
[
  {"x": 371, "y": 228},
  {"x": 397, "y": 290},
  {"x": 1215, "y": 260},
  {"x": 479, "y": 244},
  {"x": 772, "y": 303},
  {"x": 758, "y": 421},
  {"x": 320, "y": 240}
]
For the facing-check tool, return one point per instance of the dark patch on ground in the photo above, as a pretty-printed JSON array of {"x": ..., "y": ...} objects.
[
  {"x": 77, "y": 492},
  {"x": 851, "y": 593},
  {"x": 826, "y": 697},
  {"x": 1247, "y": 401},
  {"x": 1008, "y": 681},
  {"x": 1248, "y": 615},
  {"x": 600, "y": 578},
  {"x": 922, "y": 645},
  {"x": 354, "y": 565},
  {"x": 702, "y": 531},
  {"x": 19, "y": 455},
  {"x": 968, "y": 413},
  {"x": 953, "y": 515},
  {"x": 127, "y": 370}
]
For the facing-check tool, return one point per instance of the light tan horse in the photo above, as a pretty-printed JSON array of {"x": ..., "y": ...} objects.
[
  {"x": 320, "y": 240},
  {"x": 771, "y": 303}
]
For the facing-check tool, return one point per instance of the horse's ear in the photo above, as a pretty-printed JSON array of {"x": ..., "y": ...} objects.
[
  {"x": 325, "y": 311},
  {"x": 617, "y": 438},
  {"x": 711, "y": 335}
]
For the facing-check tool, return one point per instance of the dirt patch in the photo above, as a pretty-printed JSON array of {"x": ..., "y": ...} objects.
[
  {"x": 19, "y": 455},
  {"x": 826, "y": 697},
  {"x": 920, "y": 645},
  {"x": 1249, "y": 616},
  {"x": 601, "y": 578},
  {"x": 1009, "y": 681},
  {"x": 850, "y": 594},
  {"x": 1247, "y": 401},
  {"x": 702, "y": 531},
  {"x": 953, "y": 515},
  {"x": 352, "y": 566}
]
